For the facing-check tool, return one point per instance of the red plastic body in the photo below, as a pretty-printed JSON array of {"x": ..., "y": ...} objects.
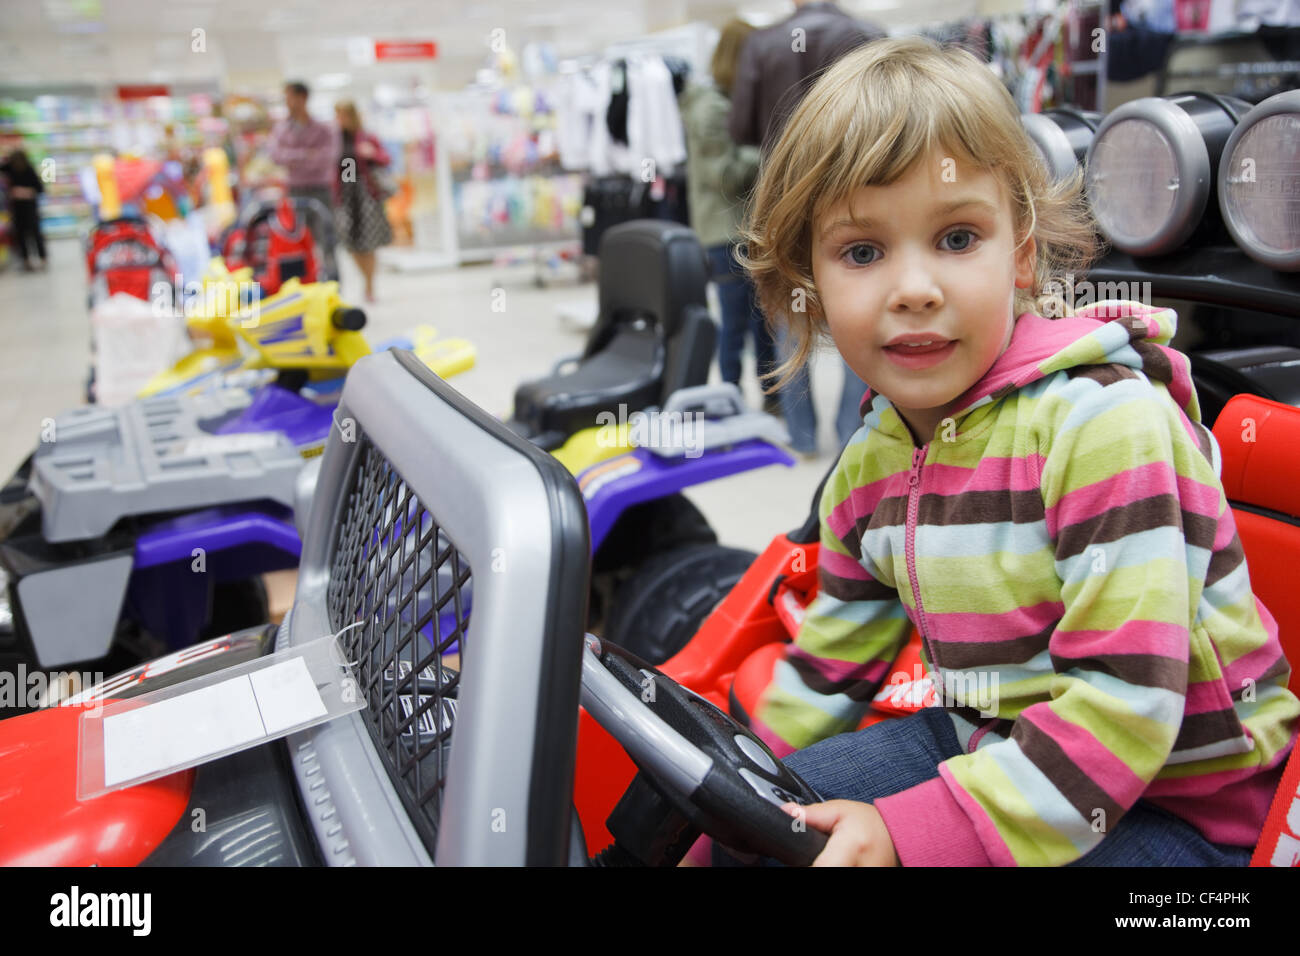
[
  {"x": 134, "y": 278},
  {"x": 42, "y": 823},
  {"x": 742, "y": 623},
  {"x": 1260, "y": 442},
  {"x": 289, "y": 241}
]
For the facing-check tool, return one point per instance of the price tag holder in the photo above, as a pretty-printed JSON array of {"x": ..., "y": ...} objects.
[{"x": 127, "y": 742}]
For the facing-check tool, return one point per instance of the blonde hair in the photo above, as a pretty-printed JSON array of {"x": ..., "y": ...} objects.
[
  {"x": 866, "y": 121},
  {"x": 349, "y": 109},
  {"x": 727, "y": 53}
]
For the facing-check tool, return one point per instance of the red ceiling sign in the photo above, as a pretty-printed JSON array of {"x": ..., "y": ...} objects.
[
  {"x": 141, "y": 91},
  {"x": 405, "y": 50}
]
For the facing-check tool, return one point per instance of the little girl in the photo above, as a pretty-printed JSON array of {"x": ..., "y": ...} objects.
[{"x": 1036, "y": 496}]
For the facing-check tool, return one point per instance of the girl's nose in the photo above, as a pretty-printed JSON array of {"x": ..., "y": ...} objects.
[{"x": 915, "y": 287}]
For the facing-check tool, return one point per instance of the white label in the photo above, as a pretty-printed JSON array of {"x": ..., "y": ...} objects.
[
  {"x": 286, "y": 695},
  {"x": 225, "y": 444},
  {"x": 208, "y": 722}
]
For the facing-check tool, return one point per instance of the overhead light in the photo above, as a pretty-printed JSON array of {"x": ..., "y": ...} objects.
[
  {"x": 1259, "y": 182},
  {"x": 1151, "y": 169},
  {"x": 1062, "y": 137}
]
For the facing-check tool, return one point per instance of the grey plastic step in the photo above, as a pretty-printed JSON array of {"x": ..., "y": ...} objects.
[
  {"x": 696, "y": 419},
  {"x": 150, "y": 456}
]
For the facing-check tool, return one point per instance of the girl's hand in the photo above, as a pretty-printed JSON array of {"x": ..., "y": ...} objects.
[
  {"x": 858, "y": 835},
  {"x": 366, "y": 150}
]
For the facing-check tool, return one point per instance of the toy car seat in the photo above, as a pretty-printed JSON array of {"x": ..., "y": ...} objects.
[
  {"x": 653, "y": 335},
  {"x": 1260, "y": 442},
  {"x": 1271, "y": 371}
]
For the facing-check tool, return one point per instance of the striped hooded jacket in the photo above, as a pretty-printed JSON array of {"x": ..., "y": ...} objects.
[{"x": 1065, "y": 549}]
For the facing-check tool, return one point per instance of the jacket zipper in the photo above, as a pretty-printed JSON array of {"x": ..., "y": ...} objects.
[
  {"x": 913, "y": 510},
  {"x": 909, "y": 546}
]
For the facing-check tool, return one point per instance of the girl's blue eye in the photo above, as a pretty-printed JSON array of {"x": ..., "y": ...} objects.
[
  {"x": 964, "y": 239},
  {"x": 856, "y": 252}
]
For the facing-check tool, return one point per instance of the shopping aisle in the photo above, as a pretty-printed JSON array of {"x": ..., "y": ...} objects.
[
  {"x": 46, "y": 353},
  {"x": 47, "y": 357}
]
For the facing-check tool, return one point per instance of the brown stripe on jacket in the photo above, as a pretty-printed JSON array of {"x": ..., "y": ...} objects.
[
  {"x": 1224, "y": 561},
  {"x": 1074, "y": 784},
  {"x": 1211, "y": 727},
  {"x": 1142, "y": 670},
  {"x": 854, "y": 689},
  {"x": 980, "y": 507},
  {"x": 1002, "y": 650},
  {"x": 1145, "y": 514},
  {"x": 849, "y": 589},
  {"x": 1104, "y": 374}
]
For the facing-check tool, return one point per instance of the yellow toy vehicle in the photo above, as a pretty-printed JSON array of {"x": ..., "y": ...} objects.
[{"x": 305, "y": 332}]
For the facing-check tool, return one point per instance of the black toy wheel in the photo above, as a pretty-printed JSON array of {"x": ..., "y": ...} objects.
[
  {"x": 235, "y": 606},
  {"x": 648, "y": 528},
  {"x": 700, "y": 771},
  {"x": 661, "y": 607}
]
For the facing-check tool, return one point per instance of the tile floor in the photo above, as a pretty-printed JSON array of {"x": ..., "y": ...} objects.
[{"x": 46, "y": 331}]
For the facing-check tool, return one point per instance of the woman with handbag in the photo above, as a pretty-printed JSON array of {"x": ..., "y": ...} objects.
[{"x": 363, "y": 185}]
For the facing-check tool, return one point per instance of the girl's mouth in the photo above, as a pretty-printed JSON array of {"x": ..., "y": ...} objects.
[{"x": 919, "y": 356}]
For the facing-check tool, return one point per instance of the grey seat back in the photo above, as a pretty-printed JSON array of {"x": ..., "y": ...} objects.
[{"x": 457, "y": 553}]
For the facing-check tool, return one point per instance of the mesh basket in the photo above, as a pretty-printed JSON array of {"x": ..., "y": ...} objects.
[{"x": 405, "y": 590}]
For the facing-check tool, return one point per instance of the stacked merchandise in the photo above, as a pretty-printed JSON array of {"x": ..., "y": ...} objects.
[
  {"x": 508, "y": 185},
  {"x": 1049, "y": 59},
  {"x": 60, "y": 134},
  {"x": 619, "y": 122}
]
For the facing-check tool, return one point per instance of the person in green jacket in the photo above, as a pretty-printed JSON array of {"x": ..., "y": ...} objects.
[{"x": 719, "y": 176}]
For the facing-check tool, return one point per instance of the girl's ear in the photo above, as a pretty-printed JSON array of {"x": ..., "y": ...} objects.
[{"x": 1026, "y": 260}]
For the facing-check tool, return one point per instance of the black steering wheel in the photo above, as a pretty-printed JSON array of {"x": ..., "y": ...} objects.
[{"x": 714, "y": 772}]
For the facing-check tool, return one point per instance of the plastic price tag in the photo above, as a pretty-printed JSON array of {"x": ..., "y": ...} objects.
[{"x": 126, "y": 742}]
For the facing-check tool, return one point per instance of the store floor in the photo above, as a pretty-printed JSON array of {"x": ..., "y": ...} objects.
[{"x": 46, "y": 330}]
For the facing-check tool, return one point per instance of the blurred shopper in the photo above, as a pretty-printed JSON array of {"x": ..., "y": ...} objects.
[
  {"x": 359, "y": 213},
  {"x": 24, "y": 187},
  {"x": 719, "y": 175},
  {"x": 307, "y": 149},
  {"x": 777, "y": 66}
]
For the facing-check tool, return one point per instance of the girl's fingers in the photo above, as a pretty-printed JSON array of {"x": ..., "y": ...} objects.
[{"x": 819, "y": 816}]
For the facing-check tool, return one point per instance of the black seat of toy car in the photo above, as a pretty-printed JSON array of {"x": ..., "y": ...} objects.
[
  {"x": 1271, "y": 371},
  {"x": 653, "y": 335}
]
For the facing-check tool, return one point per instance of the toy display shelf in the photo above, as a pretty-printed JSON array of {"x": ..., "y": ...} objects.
[
  {"x": 506, "y": 186},
  {"x": 71, "y": 144},
  {"x": 97, "y": 126}
]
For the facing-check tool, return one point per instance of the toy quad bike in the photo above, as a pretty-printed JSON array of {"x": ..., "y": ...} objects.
[
  {"x": 632, "y": 418},
  {"x": 161, "y": 515},
  {"x": 427, "y": 495}
]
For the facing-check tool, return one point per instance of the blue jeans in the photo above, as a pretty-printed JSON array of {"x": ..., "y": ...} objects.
[
  {"x": 895, "y": 755},
  {"x": 740, "y": 317}
]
